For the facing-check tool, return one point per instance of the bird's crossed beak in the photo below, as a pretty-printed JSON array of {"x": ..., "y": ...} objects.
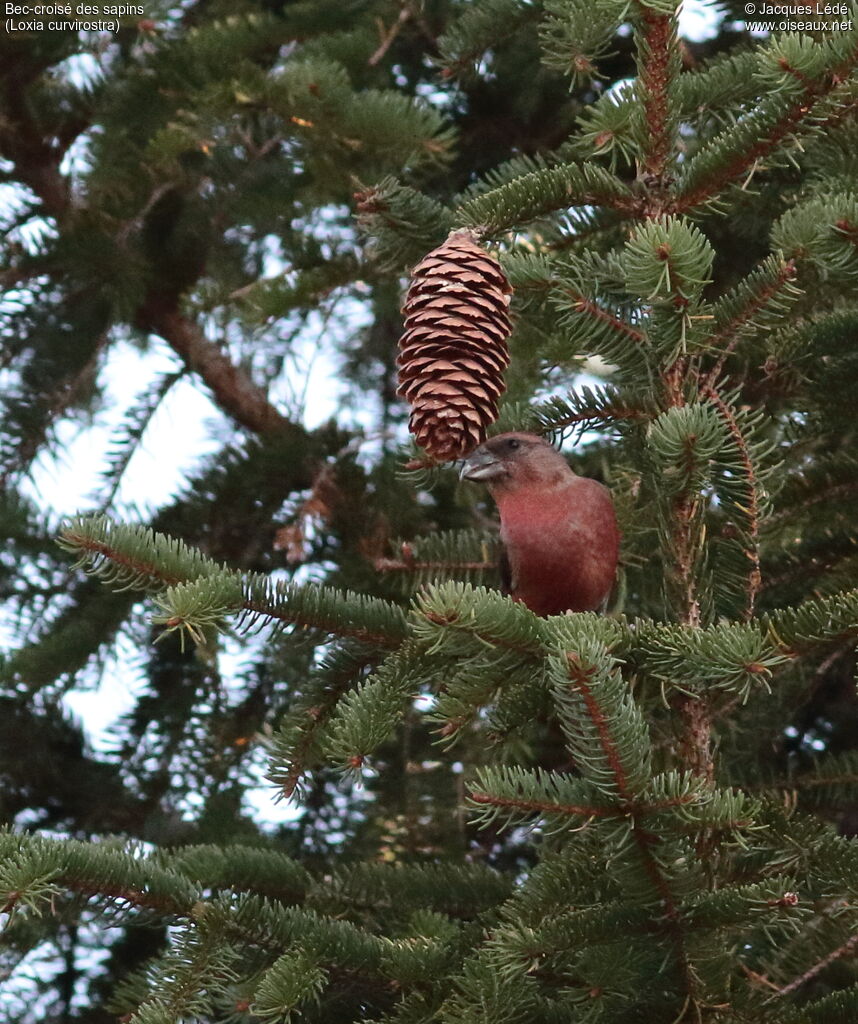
[{"x": 481, "y": 465}]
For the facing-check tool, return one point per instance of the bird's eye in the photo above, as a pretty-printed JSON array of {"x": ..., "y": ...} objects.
[{"x": 513, "y": 443}]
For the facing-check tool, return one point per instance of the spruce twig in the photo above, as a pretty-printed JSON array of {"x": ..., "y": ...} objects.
[
  {"x": 658, "y": 49},
  {"x": 752, "y": 552}
]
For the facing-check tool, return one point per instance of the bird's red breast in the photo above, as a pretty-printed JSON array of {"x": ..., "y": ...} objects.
[
  {"x": 559, "y": 530},
  {"x": 562, "y": 544}
]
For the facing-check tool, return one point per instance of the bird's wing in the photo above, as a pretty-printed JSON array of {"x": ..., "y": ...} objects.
[{"x": 505, "y": 570}]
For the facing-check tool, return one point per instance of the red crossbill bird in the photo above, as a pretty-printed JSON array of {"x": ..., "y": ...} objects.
[{"x": 558, "y": 529}]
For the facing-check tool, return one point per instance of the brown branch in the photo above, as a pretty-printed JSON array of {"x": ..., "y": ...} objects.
[
  {"x": 390, "y": 35},
  {"x": 758, "y": 979},
  {"x": 820, "y": 673},
  {"x": 849, "y": 946},
  {"x": 755, "y": 578},
  {"x": 694, "y": 711},
  {"x": 411, "y": 565},
  {"x": 233, "y": 390},
  {"x": 580, "y": 679},
  {"x": 695, "y": 747},
  {"x": 731, "y": 328},
  {"x": 581, "y": 304},
  {"x": 799, "y": 76},
  {"x": 37, "y": 162},
  {"x": 685, "y": 511},
  {"x": 832, "y": 493},
  {"x": 644, "y": 839},
  {"x": 546, "y": 807},
  {"x": 812, "y": 565}
]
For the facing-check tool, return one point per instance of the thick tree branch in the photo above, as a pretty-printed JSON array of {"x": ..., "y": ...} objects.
[
  {"x": 233, "y": 390},
  {"x": 36, "y": 157}
]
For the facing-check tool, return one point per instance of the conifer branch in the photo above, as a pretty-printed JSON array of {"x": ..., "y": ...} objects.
[
  {"x": 526, "y": 807},
  {"x": 411, "y": 565},
  {"x": 289, "y": 778},
  {"x": 485, "y": 614},
  {"x": 658, "y": 60},
  {"x": 761, "y": 293},
  {"x": 606, "y": 321},
  {"x": 368, "y": 714},
  {"x": 621, "y": 736},
  {"x": 542, "y": 192},
  {"x": 477, "y": 29},
  {"x": 239, "y": 868},
  {"x": 814, "y": 623},
  {"x": 140, "y": 559},
  {"x": 849, "y": 946},
  {"x": 343, "y": 613},
  {"x": 646, "y": 841},
  {"x": 579, "y": 676},
  {"x": 134, "y": 559},
  {"x": 685, "y": 513},
  {"x": 592, "y": 408},
  {"x": 401, "y": 223},
  {"x": 752, "y": 551},
  {"x": 296, "y": 767},
  {"x": 539, "y": 807},
  {"x": 438, "y": 556},
  {"x": 818, "y": 483},
  {"x": 774, "y": 128},
  {"x": 302, "y": 731},
  {"x": 100, "y": 871}
]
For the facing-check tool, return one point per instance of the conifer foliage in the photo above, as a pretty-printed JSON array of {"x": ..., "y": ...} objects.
[{"x": 644, "y": 816}]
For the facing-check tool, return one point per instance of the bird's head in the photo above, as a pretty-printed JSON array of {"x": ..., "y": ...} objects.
[{"x": 509, "y": 461}]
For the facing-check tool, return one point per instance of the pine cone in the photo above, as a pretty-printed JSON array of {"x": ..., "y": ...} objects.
[{"x": 453, "y": 353}]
